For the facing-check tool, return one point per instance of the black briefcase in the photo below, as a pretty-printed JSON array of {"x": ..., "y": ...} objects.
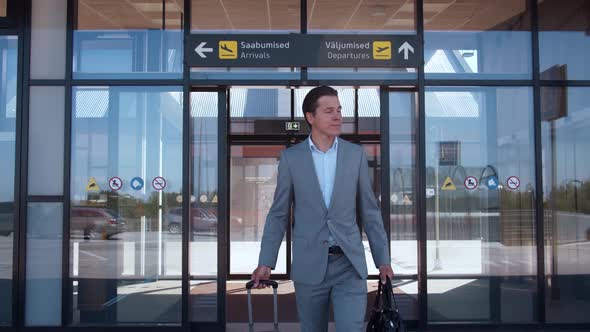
[{"x": 385, "y": 316}]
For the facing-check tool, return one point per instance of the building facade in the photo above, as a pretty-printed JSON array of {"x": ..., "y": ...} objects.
[{"x": 135, "y": 179}]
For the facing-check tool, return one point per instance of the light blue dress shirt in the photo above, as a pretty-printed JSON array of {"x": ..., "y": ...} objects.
[{"x": 325, "y": 168}]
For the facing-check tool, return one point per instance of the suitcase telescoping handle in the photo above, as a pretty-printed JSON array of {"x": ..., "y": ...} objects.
[{"x": 274, "y": 286}]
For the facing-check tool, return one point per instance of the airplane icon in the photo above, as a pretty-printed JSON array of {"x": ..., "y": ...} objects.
[
  {"x": 225, "y": 48},
  {"x": 381, "y": 49}
]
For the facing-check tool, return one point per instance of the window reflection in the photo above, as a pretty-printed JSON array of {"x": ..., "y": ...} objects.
[
  {"x": 125, "y": 184},
  {"x": 564, "y": 39},
  {"x": 478, "y": 39},
  {"x": 128, "y": 39},
  {"x": 479, "y": 222},
  {"x": 8, "y": 86},
  {"x": 259, "y": 110},
  {"x": 566, "y": 179}
]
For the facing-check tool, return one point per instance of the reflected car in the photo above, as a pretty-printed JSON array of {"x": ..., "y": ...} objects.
[
  {"x": 202, "y": 220},
  {"x": 96, "y": 223}
]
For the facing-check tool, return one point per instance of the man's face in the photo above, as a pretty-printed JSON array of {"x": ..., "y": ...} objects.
[{"x": 327, "y": 119}]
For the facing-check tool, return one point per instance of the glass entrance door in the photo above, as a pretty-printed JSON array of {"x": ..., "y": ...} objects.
[{"x": 258, "y": 134}]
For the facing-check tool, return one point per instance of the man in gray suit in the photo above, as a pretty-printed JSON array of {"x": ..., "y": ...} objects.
[{"x": 325, "y": 179}]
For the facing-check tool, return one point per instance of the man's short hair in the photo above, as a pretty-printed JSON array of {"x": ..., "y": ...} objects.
[{"x": 310, "y": 103}]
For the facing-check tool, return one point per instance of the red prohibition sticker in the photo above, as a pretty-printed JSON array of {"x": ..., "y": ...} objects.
[
  {"x": 159, "y": 183},
  {"x": 115, "y": 183},
  {"x": 470, "y": 182},
  {"x": 513, "y": 182}
]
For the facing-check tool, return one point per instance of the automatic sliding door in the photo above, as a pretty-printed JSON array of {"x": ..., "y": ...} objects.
[{"x": 253, "y": 174}]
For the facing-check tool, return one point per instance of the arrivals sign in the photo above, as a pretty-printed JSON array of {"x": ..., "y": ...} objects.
[{"x": 295, "y": 50}]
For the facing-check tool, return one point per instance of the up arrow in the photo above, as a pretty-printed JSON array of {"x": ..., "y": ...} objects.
[
  {"x": 201, "y": 49},
  {"x": 405, "y": 47}
]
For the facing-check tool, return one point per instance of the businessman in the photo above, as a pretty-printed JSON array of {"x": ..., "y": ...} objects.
[{"x": 326, "y": 181}]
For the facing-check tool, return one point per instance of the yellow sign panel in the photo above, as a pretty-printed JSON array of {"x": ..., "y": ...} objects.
[
  {"x": 448, "y": 184},
  {"x": 228, "y": 49},
  {"x": 382, "y": 50},
  {"x": 92, "y": 185}
]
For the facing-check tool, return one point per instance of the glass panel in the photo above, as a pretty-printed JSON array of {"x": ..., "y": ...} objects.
[
  {"x": 564, "y": 39},
  {"x": 253, "y": 179},
  {"x": 46, "y": 140},
  {"x": 369, "y": 111},
  {"x": 482, "y": 299},
  {"x": 346, "y": 95},
  {"x": 402, "y": 172},
  {"x": 230, "y": 16},
  {"x": 351, "y": 16},
  {"x": 8, "y": 84},
  {"x": 373, "y": 152},
  {"x": 259, "y": 110},
  {"x": 129, "y": 39},
  {"x": 204, "y": 206},
  {"x": 44, "y": 265},
  {"x": 477, "y": 39},
  {"x": 566, "y": 180},
  {"x": 480, "y": 199},
  {"x": 126, "y": 180},
  {"x": 48, "y": 39}
]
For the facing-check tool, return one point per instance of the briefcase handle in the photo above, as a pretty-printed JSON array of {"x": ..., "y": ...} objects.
[{"x": 385, "y": 292}]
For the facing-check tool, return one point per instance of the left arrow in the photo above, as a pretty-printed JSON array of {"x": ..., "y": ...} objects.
[{"x": 201, "y": 49}]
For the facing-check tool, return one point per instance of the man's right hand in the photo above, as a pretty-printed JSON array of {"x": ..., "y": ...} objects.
[{"x": 262, "y": 272}]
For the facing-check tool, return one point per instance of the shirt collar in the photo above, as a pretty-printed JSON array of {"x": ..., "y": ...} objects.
[{"x": 315, "y": 149}]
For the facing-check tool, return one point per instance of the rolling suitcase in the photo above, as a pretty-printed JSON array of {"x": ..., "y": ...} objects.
[{"x": 274, "y": 286}]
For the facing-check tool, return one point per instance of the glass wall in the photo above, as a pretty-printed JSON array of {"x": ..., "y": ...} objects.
[
  {"x": 566, "y": 180},
  {"x": 564, "y": 41},
  {"x": 477, "y": 39},
  {"x": 126, "y": 180},
  {"x": 481, "y": 250},
  {"x": 8, "y": 102},
  {"x": 402, "y": 200},
  {"x": 259, "y": 110},
  {"x": 44, "y": 264},
  {"x": 204, "y": 211},
  {"x": 130, "y": 39}
]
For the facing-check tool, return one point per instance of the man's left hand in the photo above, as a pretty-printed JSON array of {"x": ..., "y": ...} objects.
[{"x": 385, "y": 270}]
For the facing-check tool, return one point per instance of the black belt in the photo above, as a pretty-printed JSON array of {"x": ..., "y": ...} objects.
[{"x": 335, "y": 250}]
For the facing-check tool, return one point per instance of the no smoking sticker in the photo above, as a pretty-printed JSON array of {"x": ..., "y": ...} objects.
[
  {"x": 115, "y": 183},
  {"x": 470, "y": 182},
  {"x": 159, "y": 183},
  {"x": 513, "y": 182}
]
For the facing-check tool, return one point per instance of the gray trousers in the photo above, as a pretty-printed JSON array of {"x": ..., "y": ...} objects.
[{"x": 347, "y": 291}]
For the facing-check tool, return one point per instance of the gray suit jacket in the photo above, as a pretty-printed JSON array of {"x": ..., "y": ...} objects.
[{"x": 298, "y": 186}]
